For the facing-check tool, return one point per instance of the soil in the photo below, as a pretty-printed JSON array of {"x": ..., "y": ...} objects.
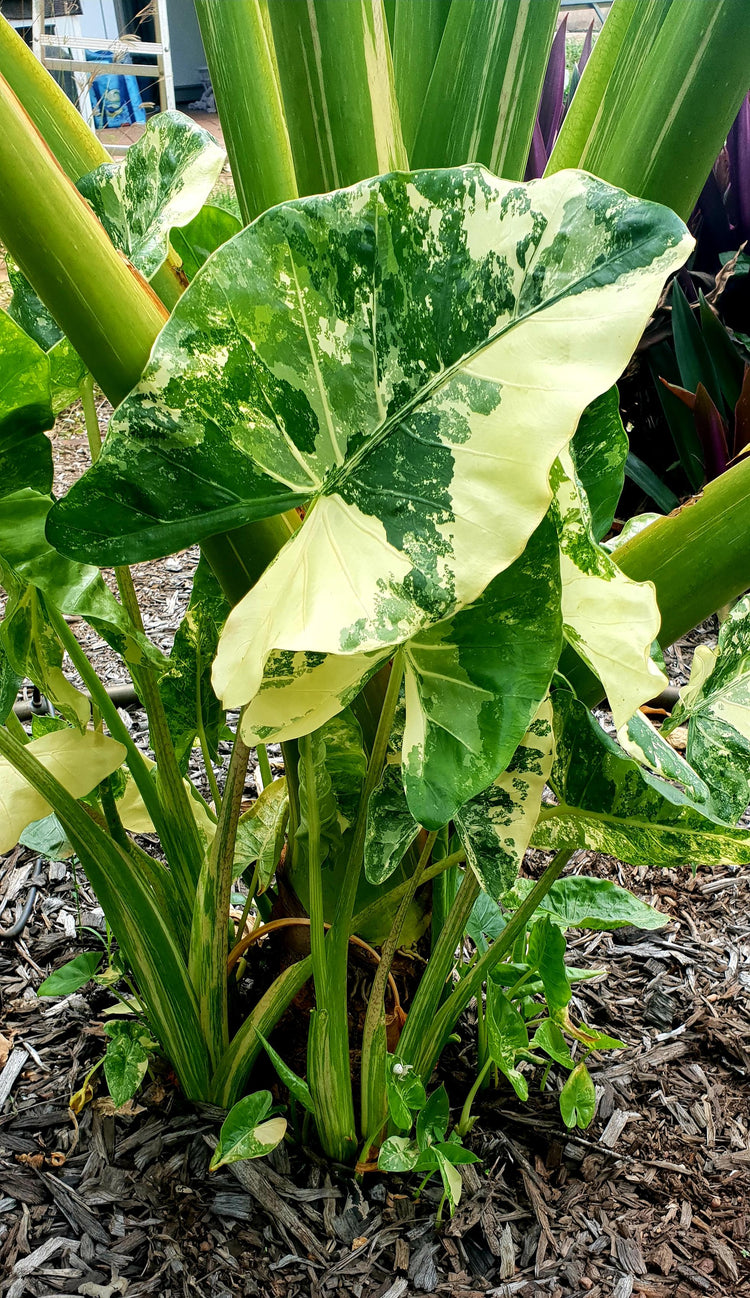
[{"x": 652, "y": 1199}]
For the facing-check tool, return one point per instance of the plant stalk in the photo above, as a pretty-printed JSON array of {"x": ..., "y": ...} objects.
[
  {"x": 209, "y": 938},
  {"x": 423, "y": 1051},
  {"x": 374, "y": 1105}
]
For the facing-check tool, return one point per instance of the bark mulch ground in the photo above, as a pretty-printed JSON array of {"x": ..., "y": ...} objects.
[{"x": 653, "y": 1199}]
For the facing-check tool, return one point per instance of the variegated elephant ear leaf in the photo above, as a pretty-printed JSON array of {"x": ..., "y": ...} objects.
[
  {"x": 495, "y": 828},
  {"x": 715, "y": 705},
  {"x": 599, "y": 450},
  {"x": 610, "y": 803},
  {"x": 609, "y": 619},
  {"x": 163, "y": 182}
]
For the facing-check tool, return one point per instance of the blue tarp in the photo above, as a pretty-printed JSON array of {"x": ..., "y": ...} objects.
[{"x": 115, "y": 98}]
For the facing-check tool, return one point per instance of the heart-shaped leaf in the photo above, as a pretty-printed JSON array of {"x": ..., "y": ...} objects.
[
  {"x": 163, "y": 182},
  {"x": 244, "y": 1134},
  {"x": 388, "y": 354}
]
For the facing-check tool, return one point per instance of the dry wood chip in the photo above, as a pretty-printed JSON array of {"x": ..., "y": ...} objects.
[
  {"x": 11, "y": 1071},
  {"x": 256, "y": 1184},
  {"x": 663, "y": 1258},
  {"x": 507, "y": 1254},
  {"x": 615, "y": 1127},
  {"x": 28, "y": 1265},
  {"x": 724, "y": 1258},
  {"x": 73, "y": 1207},
  {"x": 630, "y": 1256}
]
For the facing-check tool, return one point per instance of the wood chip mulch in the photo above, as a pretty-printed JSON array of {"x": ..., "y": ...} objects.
[{"x": 653, "y": 1199}]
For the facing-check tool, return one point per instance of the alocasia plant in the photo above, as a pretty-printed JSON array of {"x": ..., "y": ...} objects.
[{"x": 420, "y": 365}]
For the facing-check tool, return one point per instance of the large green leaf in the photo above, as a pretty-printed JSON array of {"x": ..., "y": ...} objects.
[
  {"x": 163, "y": 182},
  {"x": 25, "y": 411},
  {"x": 609, "y": 803},
  {"x": 599, "y": 450},
  {"x": 188, "y": 697},
  {"x": 715, "y": 704},
  {"x": 495, "y": 828},
  {"x": 78, "y": 761},
  {"x": 609, "y": 619},
  {"x": 64, "y": 367}
]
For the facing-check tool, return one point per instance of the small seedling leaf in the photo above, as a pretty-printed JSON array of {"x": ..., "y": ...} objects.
[
  {"x": 578, "y": 1098},
  {"x": 72, "y": 976},
  {"x": 244, "y": 1134}
]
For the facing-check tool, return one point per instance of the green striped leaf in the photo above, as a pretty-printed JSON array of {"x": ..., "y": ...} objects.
[
  {"x": 485, "y": 86},
  {"x": 609, "y": 619},
  {"x": 656, "y": 126},
  {"x": 608, "y": 803},
  {"x": 336, "y": 77},
  {"x": 715, "y": 706},
  {"x": 495, "y": 828},
  {"x": 417, "y": 33},
  {"x": 163, "y": 182}
]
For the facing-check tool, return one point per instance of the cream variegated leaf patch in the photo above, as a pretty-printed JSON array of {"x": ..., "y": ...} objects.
[
  {"x": 408, "y": 357},
  {"x": 475, "y": 681},
  {"x": 608, "y": 802},
  {"x": 78, "y": 761},
  {"x": 715, "y": 705},
  {"x": 609, "y": 619},
  {"x": 163, "y": 182},
  {"x": 495, "y": 828}
]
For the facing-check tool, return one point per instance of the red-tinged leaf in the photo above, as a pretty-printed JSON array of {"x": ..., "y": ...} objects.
[
  {"x": 538, "y": 156},
  {"x": 586, "y": 51},
  {"x": 553, "y": 90},
  {"x": 682, "y": 394},
  {"x": 742, "y": 416},
  {"x": 712, "y": 433},
  {"x": 738, "y": 149}
]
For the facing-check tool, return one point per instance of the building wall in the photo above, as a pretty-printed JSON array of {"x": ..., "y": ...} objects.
[{"x": 99, "y": 19}]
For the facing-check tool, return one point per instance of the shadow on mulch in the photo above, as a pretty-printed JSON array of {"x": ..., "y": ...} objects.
[{"x": 653, "y": 1199}]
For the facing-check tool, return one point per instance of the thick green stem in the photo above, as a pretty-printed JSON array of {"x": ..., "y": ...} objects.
[
  {"x": 241, "y": 59},
  {"x": 423, "y": 1051},
  {"x": 317, "y": 918},
  {"x": 106, "y": 308},
  {"x": 374, "y": 1105},
  {"x": 75, "y": 147},
  {"x": 264, "y": 765},
  {"x": 91, "y": 418},
  {"x": 430, "y": 990},
  {"x": 209, "y": 941},
  {"x": 329, "y": 1066}
]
